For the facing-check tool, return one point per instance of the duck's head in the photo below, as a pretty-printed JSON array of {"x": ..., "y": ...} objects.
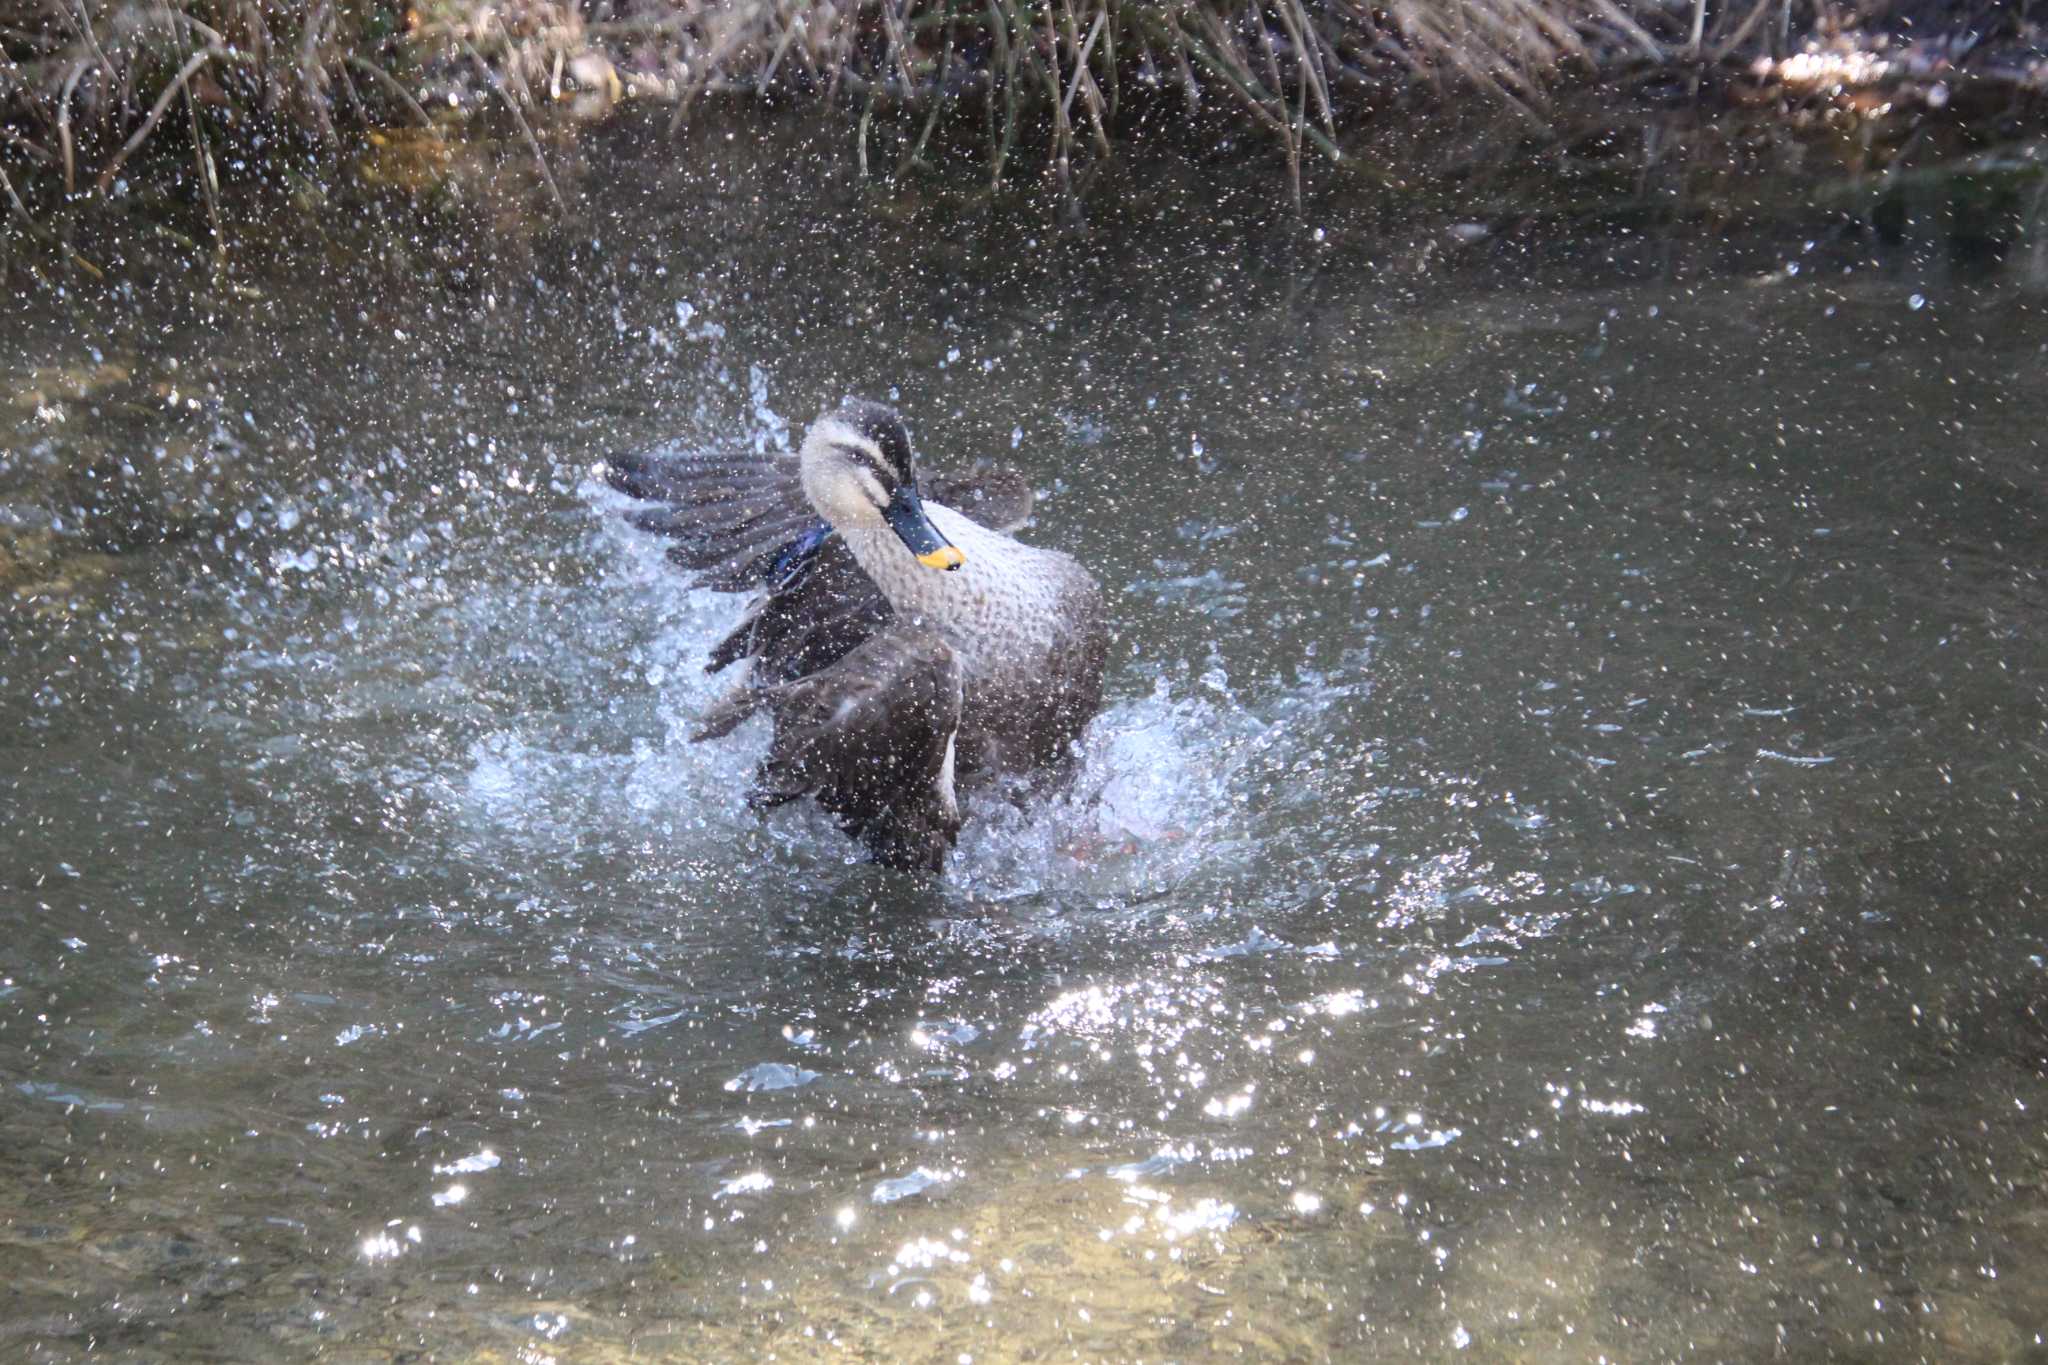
[{"x": 857, "y": 473}]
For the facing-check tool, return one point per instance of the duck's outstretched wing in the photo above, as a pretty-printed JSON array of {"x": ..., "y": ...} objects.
[
  {"x": 735, "y": 516},
  {"x": 730, "y": 514},
  {"x": 871, "y": 737},
  {"x": 739, "y": 520}
]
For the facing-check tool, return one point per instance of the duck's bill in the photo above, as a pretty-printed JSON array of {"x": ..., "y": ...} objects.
[{"x": 905, "y": 515}]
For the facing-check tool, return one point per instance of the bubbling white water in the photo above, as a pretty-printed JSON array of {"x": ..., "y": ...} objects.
[{"x": 1154, "y": 799}]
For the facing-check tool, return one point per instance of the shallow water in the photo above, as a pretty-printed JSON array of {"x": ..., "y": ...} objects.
[{"x": 1558, "y": 877}]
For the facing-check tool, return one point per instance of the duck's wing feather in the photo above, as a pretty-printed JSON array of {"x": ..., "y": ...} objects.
[
  {"x": 732, "y": 514},
  {"x": 994, "y": 495},
  {"x": 739, "y": 520},
  {"x": 821, "y": 605},
  {"x": 871, "y": 737}
]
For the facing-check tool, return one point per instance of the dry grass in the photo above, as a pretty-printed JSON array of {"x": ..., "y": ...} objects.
[{"x": 88, "y": 86}]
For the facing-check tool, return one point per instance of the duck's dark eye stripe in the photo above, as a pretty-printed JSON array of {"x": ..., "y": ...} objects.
[
  {"x": 875, "y": 462},
  {"x": 885, "y": 429},
  {"x": 895, "y": 446}
]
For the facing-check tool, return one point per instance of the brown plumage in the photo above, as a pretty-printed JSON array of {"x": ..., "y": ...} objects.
[{"x": 903, "y": 645}]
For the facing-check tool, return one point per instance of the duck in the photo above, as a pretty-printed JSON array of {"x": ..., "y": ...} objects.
[{"x": 906, "y": 646}]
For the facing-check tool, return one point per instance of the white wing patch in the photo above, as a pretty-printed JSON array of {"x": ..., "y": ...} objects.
[{"x": 949, "y": 801}]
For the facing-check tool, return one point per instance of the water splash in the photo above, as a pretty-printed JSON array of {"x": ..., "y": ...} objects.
[
  {"x": 1159, "y": 793},
  {"x": 1153, "y": 801}
]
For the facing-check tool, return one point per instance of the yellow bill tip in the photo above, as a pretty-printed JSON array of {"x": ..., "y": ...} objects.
[{"x": 945, "y": 557}]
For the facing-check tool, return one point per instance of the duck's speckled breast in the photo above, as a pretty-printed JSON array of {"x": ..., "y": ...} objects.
[{"x": 1006, "y": 611}]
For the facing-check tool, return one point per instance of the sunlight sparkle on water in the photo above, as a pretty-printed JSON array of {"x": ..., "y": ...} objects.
[
  {"x": 1645, "y": 1024},
  {"x": 924, "y": 1253},
  {"x": 385, "y": 1246},
  {"x": 1230, "y": 1106},
  {"x": 484, "y": 1160},
  {"x": 1204, "y": 1215},
  {"x": 916, "y": 1182}
]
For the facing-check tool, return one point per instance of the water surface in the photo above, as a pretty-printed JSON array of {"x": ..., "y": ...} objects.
[{"x": 1558, "y": 875}]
